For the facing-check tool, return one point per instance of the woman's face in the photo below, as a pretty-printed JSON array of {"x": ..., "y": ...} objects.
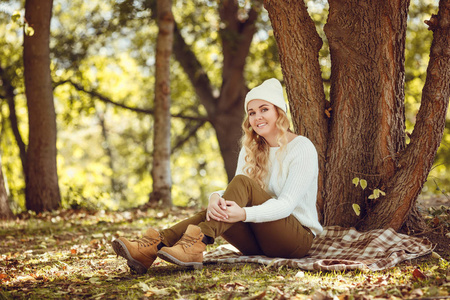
[{"x": 262, "y": 116}]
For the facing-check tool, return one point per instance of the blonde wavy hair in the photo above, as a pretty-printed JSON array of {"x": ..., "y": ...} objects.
[{"x": 258, "y": 150}]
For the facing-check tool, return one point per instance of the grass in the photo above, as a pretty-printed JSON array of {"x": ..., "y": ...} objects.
[{"x": 67, "y": 255}]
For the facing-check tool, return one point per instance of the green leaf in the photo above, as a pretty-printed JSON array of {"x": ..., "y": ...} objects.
[
  {"x": 16, "y": 16},
  {"x": 29, "y": 31},
  {"x": 376, "y": 193},
  {"x": 356, "y": 209},
  {"x": 382, "y": 193},
  {"x": 355, "y": 181},
  {"x": 372, "y": 196},
  {"x": 363, "y": 184}
]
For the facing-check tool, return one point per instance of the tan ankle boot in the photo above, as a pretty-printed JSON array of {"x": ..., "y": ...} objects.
[
  {"x": 140, "y": 254},
  {"x": 188, "y": 251}
]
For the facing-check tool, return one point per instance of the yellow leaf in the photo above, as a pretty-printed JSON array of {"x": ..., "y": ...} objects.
[
  {"x": 376, "y": 193},
  {"x": 372, "y": 196},
  {"x": 435, "y": 255},
  {"x": 29, "y": 31},
  {"x": 363, "y": 183},
  {"x": 356, "y": 209},
  {"x": 15, "y": 16},
  {"x": 355, "y": 181}
]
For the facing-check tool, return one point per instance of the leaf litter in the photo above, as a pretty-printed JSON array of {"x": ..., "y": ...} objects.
[{"x": 67, "y": 255}]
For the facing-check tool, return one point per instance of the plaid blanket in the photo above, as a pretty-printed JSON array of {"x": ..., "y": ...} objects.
[{"x": 338, "y": 249}]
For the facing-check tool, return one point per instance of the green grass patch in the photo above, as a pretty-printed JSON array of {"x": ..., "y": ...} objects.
[{"x": 67, "y": 255}]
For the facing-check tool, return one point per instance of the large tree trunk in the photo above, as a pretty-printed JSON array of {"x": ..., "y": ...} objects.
[
  {"x": 42, "y": 190},
  {"x": 365, "y": 136},
  {"x": 299, "y": 55},
  {"x": 367, "y": 44},
  {"x": 162, "y": 182},
  {"x": 5, "y": 210}
]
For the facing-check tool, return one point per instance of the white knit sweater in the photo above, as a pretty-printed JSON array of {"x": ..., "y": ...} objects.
[{"x": 292, "y": 181}]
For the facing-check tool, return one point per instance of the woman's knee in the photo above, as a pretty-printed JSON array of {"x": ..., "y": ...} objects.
[{"x": 241, "y": 179}]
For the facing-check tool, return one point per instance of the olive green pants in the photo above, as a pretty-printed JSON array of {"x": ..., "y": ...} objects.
[{"x": 281, "y": 238}]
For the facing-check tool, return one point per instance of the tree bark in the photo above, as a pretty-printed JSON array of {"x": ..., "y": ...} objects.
[
  {"x": 5, "y": 210},
  {"x": 42, "y": 190},
  {"x": 416, "y": 160},
  {"x": 367, "y": 41},
  {"x": 299, "y": 56},
  {"x": 366, "y": 137},
  {"x": 162, "y": 182}
]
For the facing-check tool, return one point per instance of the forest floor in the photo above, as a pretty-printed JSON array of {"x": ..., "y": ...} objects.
[{"x": 67, "y": 255}]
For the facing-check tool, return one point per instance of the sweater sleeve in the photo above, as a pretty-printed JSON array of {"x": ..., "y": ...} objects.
[{"x": 302, "y": 173}]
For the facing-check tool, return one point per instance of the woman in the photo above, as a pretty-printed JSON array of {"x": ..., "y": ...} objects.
[{"x": 269, "y": 208}]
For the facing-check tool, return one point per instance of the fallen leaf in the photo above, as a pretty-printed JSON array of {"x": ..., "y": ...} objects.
[
  {"x": 435, "y": 255},
  {"x": 94, "y": 242},
  {"x": 26, "y": 278},
  {"x": 436, "y": 221},
  {"x": 300, "y": 274},
  {"x": 417, "y": 293},
  {"x": 417, "y": 274}
]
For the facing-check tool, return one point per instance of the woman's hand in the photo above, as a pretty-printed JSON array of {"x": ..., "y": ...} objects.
[
  {"x": 216, "y": 208},
  {"x": 235, "y": 212}
]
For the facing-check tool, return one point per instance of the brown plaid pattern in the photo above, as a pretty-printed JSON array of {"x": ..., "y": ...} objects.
[{"x": 338, "y": 248}]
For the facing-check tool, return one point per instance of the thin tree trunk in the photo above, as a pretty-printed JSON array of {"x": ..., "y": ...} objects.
[
  {"x": 299, "y": 55},
  {"x": 162, "y": 182},
  {"x": 115, "y": 185},
  {"x": 42, "y": 190},
  {"x": 5, "y": 210}
]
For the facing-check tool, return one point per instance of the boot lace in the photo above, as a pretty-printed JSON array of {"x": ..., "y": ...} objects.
[
  {"x": 147, "y": 241},
  {"x": 187, "y": 240}
]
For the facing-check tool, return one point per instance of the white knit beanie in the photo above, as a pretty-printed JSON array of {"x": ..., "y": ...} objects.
[{"x": 270, "y": 90}]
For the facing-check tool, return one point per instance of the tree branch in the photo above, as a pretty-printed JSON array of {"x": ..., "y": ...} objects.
[
  {"x": 10, "y": 97},
  {"x": 197, "y": 75},
  {"x": 106, "y": 99},
  {"x": 182, "y": 140},
  {"x": 236, "y": 39}
]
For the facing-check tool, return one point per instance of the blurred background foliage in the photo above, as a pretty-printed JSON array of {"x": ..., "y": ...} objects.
[{"x": 103, "y": 66}]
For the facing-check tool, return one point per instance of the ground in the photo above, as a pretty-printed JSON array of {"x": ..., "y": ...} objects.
[
  {"x": 67, "y": 255},
  {"x": 437, "y": 212}
]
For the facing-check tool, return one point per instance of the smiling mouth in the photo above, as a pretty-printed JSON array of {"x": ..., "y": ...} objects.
[{"x": 261, "y": 125}]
